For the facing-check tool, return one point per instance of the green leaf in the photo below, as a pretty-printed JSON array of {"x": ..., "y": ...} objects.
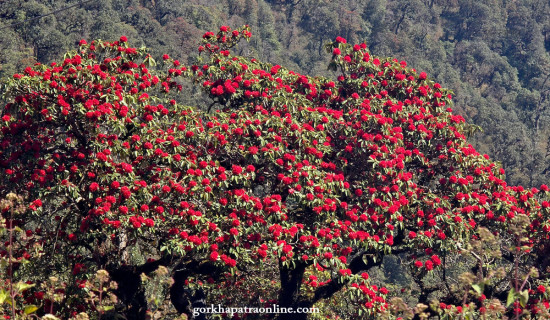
[
  {"x": 23, "y": 286},
  {"x": 523, "y": 297},
  {"x": 3, "y": 296},
  {"x": 511, "y": 297},
  {"x": 478, "y": 288},
  {"x": 30, "y": 309}
]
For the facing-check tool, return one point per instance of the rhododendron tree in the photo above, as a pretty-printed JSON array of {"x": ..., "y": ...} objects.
[{"x": 287, "y": 189}]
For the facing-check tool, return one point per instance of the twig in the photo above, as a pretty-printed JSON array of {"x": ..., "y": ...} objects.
[{"x": 12, "y": 293}]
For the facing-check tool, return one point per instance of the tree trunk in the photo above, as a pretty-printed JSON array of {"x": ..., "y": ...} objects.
[
  {"x": 186, "y": 300},
  {"x": 289, "y": 296},
  {"x": 130, "y": 292}
]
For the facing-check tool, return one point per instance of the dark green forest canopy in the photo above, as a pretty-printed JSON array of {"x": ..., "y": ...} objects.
[{"x": 494, "y": 54}]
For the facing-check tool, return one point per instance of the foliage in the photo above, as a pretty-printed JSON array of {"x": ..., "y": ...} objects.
[
  {"x": 493, "y": 53},
  {"x": 311, "y": 181}
]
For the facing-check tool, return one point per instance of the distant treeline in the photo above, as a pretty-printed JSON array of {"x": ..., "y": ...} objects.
[{"x": 494, "y": 54}]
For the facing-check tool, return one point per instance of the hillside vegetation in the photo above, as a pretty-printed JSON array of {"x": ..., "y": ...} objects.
[{"x": 493, "y": 54}]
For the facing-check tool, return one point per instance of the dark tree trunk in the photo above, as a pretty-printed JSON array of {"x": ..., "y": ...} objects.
[
  {"x": 291, "y": 280},
  {"x": 184, "y": 299},
  {"x": 130, "y": 292},
  {"x": 289, "y": 296}
]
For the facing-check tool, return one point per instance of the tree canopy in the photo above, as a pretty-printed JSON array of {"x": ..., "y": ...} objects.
[{"x": 287, "y": 189}]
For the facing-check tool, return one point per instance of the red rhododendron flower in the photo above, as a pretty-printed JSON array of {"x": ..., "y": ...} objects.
[
  {"x": 340, "y": 40},
  {"x": 236, "y": 169},
  {"x": 214, "y": 256},
  {"x": 429, "y": 265},
  {"x": 435, "y": 259},
  {"x": 149, "y": 222}
]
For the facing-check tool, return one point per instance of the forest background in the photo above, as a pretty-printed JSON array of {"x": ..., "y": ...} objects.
[{"x": 494, "y": 54}]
